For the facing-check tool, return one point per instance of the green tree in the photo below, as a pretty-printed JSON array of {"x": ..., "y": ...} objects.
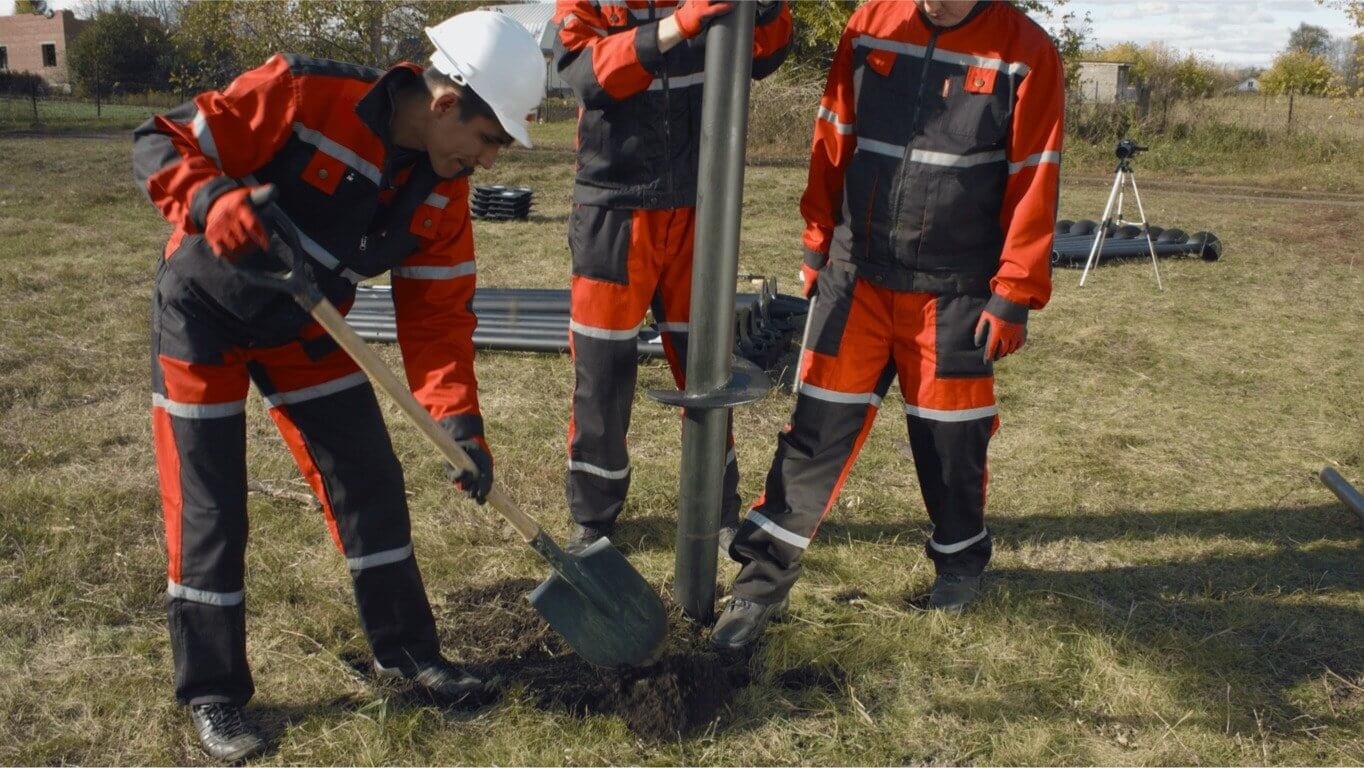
[
  {"x": 120, "y": 51},
  {"x": 817, "y": 29},
  {"x": 22, "y": 7},
  {"x": 1300, "y": 73},
  {"x": 1310, "y": 39}
]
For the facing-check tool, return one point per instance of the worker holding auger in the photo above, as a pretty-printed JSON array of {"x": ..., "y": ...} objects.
[
  {"x": 637, "y": 69},
  {"x": 371, "y": 168},
  {"x": 929, "y": 212}
]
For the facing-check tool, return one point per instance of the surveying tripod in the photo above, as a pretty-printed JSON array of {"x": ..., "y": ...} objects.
[{"x": 1112, "y": 217}]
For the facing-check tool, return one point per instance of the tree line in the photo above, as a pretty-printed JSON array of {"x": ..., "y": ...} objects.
[{"x": 139, "y": 46}]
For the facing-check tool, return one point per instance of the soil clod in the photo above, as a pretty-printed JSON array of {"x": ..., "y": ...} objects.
[{"x": 497, "y": 634}]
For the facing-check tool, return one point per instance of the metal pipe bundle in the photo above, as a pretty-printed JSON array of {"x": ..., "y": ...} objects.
[{"x": 536, "y": 320}]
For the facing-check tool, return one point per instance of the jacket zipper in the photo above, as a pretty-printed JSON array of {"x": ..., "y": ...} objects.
[
  {"x": 667, "y": 117},
  {"x": 916, "y": 108}
]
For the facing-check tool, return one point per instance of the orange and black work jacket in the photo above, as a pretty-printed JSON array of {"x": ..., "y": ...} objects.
[
  {"x": 639, "y": 130},
  {"x": 936, "y": 156},
  {"x": 320, "y": 132}
]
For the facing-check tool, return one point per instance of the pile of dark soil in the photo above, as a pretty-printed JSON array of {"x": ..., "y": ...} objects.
[{"x": 496, "y": 632}]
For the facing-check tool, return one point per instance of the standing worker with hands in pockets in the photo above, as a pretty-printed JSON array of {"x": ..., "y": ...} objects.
[{"x": 929, "y": 212}]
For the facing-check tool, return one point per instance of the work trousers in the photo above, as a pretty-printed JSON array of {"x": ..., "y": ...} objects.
[
  {"x": 326, "y": 411},
  {"x": 624, "y": 263},
  {"x": 861, "y": 337}
]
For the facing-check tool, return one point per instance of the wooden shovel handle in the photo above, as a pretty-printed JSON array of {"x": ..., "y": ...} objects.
[{"x": 370, "y": 362}]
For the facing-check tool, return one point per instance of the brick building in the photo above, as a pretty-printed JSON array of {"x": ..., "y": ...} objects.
[{"x": 33, "y": 43}]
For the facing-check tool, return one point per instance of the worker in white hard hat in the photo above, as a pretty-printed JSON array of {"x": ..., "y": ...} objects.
[{"x": 370, "y": 167}]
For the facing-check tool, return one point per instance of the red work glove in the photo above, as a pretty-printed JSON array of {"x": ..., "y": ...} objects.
[
  {"x": 233, "y": 229},
  {"x": 1002, "y": 328},
  {"x": 692, "y": 15}
]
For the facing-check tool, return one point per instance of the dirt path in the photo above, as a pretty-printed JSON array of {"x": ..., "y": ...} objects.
[{"x": 1232, "y": 192}]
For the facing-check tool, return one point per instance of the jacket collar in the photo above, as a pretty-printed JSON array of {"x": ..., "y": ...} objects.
[{"x": 376, "y": 106}]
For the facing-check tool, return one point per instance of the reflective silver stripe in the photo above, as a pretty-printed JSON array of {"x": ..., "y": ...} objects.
[
  {"x": 1050, "y": 156},
  {"x": 955, "y": 161},
  {"x": 437, "y": 273},
  {"x": 881, "y": 147},
  {"x": 842, "y": 398},
  {"x": 952, "y": 549},
  {"x": 379, "y": 558},
  {"x": 204, "y": 135},
  {"x": 602, "y": 333},
  {"x": 966, "y": 414},
  {"x": 344, "y": 154},
  {"x": 674, "y": 327},
  {"x": 199, "y": 410},
  {"x": 828, "y": 115},
  {"x": 681, "y": 81},
  {"x": 437, "y": 201},
  {"x": 731, "y": 457},
  {"x": 223, "y": 599},
  {"x": 778, "y": 532},
  {"x": 941, "y": 54},
  {"x": 593, "y": 469},
  {"x": 316, "y": 391}
]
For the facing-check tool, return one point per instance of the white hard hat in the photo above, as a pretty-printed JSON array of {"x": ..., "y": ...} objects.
[{"x": 496, "y": 57}]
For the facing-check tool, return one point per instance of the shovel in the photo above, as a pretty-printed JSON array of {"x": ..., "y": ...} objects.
[{"x": 596, "y": 600}]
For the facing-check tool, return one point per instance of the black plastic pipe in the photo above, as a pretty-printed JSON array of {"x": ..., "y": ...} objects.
[{"x": 719, "y": 203}]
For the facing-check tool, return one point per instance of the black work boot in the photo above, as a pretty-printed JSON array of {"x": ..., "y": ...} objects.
[
  {"x": 225, "y": 732},
  {"x": 585, "y": 535},
  {"x": 438, "y": 678},
  {"x": 952, "y": 592},
  {"x": 743, "y": 622}
]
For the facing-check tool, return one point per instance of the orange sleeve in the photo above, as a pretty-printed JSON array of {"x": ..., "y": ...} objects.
[
  {"x": 1028, "y": 217},
  {"x": 433, "y": 293},
  {"x": 771, "y": 41},
  {"x": 835, "y": 138},
  {"x": 604, "y": 67},
  {"x": 186, "y": 158}
]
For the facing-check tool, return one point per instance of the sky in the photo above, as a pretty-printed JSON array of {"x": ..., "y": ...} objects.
[{"x": 1237, "y": 32}]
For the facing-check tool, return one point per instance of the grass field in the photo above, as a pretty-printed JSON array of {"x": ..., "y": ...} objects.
[{"x": 1170, "y": 584}]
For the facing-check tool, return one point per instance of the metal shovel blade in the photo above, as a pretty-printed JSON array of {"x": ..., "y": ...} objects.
[{"x": 601, "y": 606}]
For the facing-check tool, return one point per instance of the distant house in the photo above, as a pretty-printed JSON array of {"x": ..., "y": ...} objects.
[
  {"x": 1249, "y": 85},
  {"x": 1107, "y": 82},
  {"x": 538, "y": 19},
  {"x": 33, "y": 43}
]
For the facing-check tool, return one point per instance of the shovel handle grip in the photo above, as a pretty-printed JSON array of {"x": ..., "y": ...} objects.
[{"x": 369, "y": 361}]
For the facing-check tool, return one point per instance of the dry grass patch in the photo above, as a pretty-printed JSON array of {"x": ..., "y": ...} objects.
[{"x": 1170, "y": 584}]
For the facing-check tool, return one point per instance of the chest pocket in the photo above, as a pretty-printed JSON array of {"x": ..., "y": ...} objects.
[
  {"x": 883, "y": 83},
  {"x": 324, "y": 172},
  {"x": 975, "y": 106}
]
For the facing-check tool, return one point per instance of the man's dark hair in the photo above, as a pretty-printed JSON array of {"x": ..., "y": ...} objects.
[{"x": 471, "y": 105}]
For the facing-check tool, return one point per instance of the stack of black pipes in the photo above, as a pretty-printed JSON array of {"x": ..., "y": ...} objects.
[
  {"x": 536, "y": 320},
  {"x": 1074, "y": 239}
]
